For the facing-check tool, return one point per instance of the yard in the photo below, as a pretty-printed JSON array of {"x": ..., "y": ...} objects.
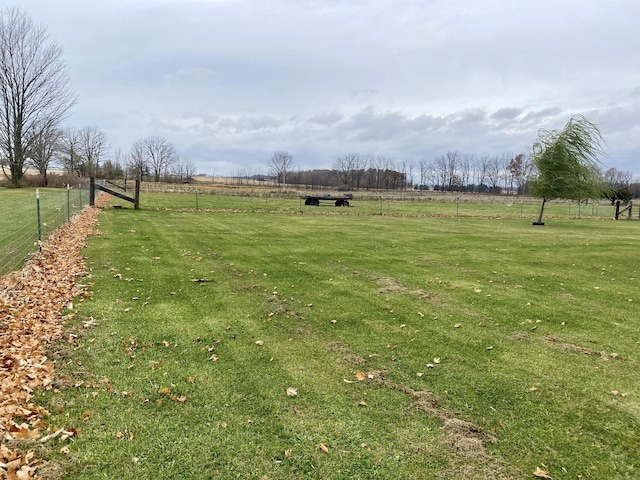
[{"x": 269, "y": 344}]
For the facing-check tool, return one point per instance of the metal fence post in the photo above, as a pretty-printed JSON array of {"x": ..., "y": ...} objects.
[
  {"x": 39, "y": 223},
  {"x": 68, "y": 203}
]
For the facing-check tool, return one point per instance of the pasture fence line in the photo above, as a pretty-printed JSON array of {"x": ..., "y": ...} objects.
[
  {"x": 422, "y": 203},
  {"x": 198, "y": 191},
  {"x": 29, "y": 215}
]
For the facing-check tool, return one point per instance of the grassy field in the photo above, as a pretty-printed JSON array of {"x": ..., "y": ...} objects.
[
  {"x": 19, "y": 220},
  {"x": 370, "y": 203},
  {"x": 254, "y": 345}
]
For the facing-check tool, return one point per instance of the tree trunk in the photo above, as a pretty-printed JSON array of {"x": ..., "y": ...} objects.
[
  {"x": 540, "y": 222},
  {"x": 16, "y": 174}
]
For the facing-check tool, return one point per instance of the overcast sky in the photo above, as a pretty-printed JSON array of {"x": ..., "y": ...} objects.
[{"x": 231, "y": 81}]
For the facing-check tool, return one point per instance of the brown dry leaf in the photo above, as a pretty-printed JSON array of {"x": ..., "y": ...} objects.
[
  {"x": 259, "y": 342},
  {"x": 288, "y": 453},
  {"x": 181, "y": 399},
  {"x": 65, "y": 450},
  {"x": 538, "y": 472},
  {"x": 457, "y": 325},
  {"x": 214, "y": 358},
  {"x": 165, "y": 391},
  {"x": 25, "y": 432},
  {"x": 32, "y": 301},
  {"x": 292, "y": 392},
  {"x": 324, "y": 447},
  {"x": 360, "y": 376}
]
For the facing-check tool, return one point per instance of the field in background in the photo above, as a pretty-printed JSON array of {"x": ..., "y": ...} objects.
[
  {"x": 234, "y": 343},
  {"x": 19, "y": 224},
  {"x": 429, "y": 203}
]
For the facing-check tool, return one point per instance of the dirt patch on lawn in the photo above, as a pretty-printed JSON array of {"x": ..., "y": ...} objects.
[
  {"x": 559, "y": 344},
  {"x": 390, "y": 285},
  {"x": 280, "y": 307},
  {"x": 461, "y": 436},
  {"x": 465, "y": 437}
]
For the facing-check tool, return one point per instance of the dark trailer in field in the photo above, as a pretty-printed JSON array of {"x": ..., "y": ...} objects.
[{"x": 340, "y": 201}]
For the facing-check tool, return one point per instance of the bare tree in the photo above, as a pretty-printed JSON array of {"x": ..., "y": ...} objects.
[
  {"x": 152, "y": 155},
  {"x": 347, "y": 169},
  {"x": 281, "y": 163},
  {"x": 441, "y": 171},
  {"x": 423, "y": 166},
  {"x": 183, "y": 170},
  {"x": 453, "y": 159},
  {"x": 482, "y": 172},
  {"x": 44, "y": 147},
  {"x": 466, "y": 162},
  {"x": 494, "y": 172},
  {"x": 120, "y": 161},
  {"x": 35, "y": 90},
  {"x": 519, "y": 169},
  {"x": 411, "y": 166},
  {"x": 70, "y": 151},
  {"x": 92, "y": 146},
  {"x": 381, "y": 167},
  {"x": 618, "y": 178},
  {"x": 138, "y": 165}
]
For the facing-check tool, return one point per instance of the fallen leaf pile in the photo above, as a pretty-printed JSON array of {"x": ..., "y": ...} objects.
[{"x": 31, "y": 304}]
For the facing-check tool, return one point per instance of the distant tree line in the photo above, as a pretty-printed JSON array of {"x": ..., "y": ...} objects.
[{"x": 451, "y": 172}]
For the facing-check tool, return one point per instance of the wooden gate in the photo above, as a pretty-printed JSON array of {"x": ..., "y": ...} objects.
[{"x": 136, "y": 193}]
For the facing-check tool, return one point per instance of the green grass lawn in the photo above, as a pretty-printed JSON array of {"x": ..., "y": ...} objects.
[
  {"x": 19, "y": 220},
  {"x": 418, "y": 348}
]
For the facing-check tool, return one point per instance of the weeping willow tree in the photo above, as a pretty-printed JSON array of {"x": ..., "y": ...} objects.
[{"x": 566, "y": 163}]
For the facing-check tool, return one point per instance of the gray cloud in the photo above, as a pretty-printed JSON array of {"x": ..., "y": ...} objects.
[{"x": 229, "y": 81}]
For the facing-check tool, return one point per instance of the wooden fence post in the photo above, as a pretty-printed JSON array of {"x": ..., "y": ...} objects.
[
  {"x": 92, "y": 191},
  {"x": 136, "y": 197}
]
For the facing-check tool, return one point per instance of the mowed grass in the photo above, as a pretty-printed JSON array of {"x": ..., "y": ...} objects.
[
  {"x": 418, "y": 348},
  {"x": 401, "y": 203}
]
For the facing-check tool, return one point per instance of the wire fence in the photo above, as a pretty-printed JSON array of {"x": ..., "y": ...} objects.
[
  {"x": 29, "y": 215},
  {"x": 428, "y": 204}
]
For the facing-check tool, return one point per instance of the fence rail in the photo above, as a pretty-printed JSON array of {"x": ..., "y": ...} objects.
[{"x": 25, "y": 219}]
